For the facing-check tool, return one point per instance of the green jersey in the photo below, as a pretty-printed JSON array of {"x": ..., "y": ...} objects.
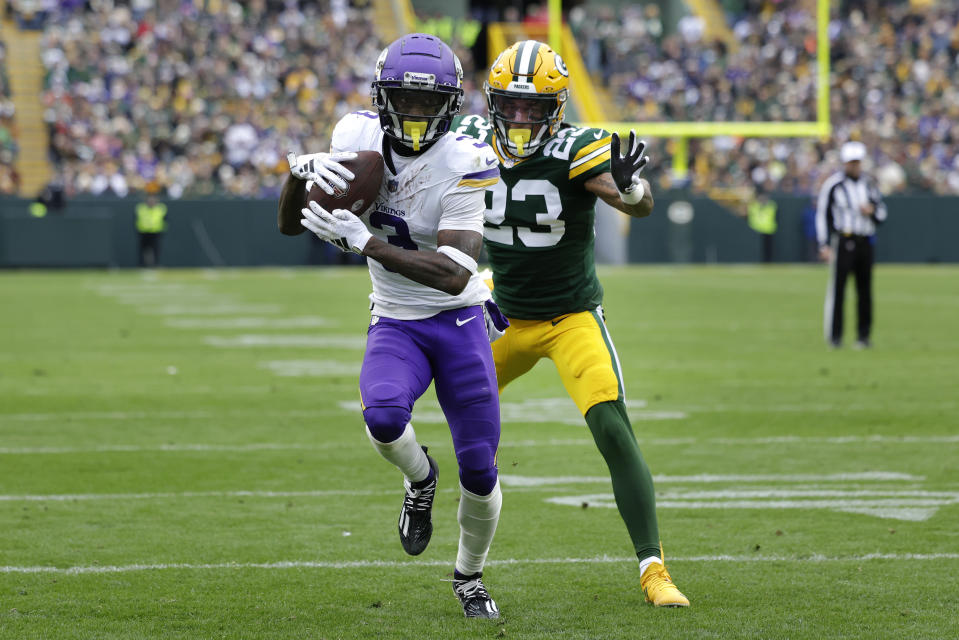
[{"x": 539, "y": 222}]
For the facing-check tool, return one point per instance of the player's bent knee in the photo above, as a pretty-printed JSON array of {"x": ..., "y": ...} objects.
[
  {"x": 611, "y": 431},
  {"x": 386, "y": 424},
  {"x": 477, "y": 468}
]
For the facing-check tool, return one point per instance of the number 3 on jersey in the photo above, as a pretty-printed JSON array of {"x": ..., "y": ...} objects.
[{"x": 525, "y": 222}]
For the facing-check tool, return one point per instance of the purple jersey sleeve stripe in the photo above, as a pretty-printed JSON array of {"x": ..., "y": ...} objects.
[{"x": 482, "y": 175}]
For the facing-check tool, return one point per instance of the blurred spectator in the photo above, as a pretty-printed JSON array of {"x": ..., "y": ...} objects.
[
  {"x": 208, "y": 101},
  {"x": 9, "y": 177},
  {"x": 31, "y": 14},
  {"x": 894, "y": 84},
  {"x": 199, "y": 102}
]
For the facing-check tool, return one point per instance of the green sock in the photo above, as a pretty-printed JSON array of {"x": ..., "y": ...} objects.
[{"x": 632, "y": 482}]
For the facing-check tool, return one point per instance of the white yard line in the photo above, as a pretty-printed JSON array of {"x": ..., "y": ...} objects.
[
  {"x": 272, "y": 340},
  {"x": 745, "y": 494},
  {"x": 77, "y": 497},
  {"x": 523, "y": 483},
  {"x": 301, "y": 368},
  {"x": 210, "y": 310},
  {"x": 169, "y": 448},
  {"x": 311, "y": 368},
  {"x": 377, "y": 564},
  {"x": 813, "y": 407},
  {"x": 249, "y": 322},
  {"x": 511, "y": 480},
  {"x": 163, "y": 415}
]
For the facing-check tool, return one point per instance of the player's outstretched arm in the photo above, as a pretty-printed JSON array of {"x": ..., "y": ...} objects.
[
  {"x": 605, "y": 188},
  {"x": 622, "y": 187},
  {"x": 291, "y": 201}
]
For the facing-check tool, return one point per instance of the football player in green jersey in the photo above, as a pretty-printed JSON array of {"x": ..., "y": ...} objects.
[{"x": 539, "y": 239}]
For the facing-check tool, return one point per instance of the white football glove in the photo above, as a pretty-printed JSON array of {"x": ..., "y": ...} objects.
[
  {"x": 324, "y": 169},
  {"x": 340, "y": 228}
]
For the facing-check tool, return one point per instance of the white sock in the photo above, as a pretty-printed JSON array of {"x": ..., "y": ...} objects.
[
  {"x": 405, "y": 453},
  {"x": 478, "y": 516},
  {"x": 648, "y": 561}
]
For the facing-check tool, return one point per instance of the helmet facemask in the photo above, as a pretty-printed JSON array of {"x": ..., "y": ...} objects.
[
  {"x": 415, "y": 117},
  {"x": 417, "y": 90},
  {"x": 526, "y": 92},
  {"x": 524, "y": 122}
]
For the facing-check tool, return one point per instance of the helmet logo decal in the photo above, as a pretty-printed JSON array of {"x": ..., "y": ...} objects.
[
  {"x": 459, "y": 70},
  {"x": 420, "y": 80},
  {"x": 380, "y": 62},
  {"x": 526, "y": 87},
  {"x": 560, "y": 65}
]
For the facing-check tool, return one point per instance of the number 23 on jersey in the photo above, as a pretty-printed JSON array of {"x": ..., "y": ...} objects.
[{"x": 532, "y": 217}]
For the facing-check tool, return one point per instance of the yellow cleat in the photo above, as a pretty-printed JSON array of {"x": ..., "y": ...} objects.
[{"x": 658, "y": 587}]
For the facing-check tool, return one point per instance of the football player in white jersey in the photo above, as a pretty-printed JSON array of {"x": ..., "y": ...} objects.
[{"x": 432, "y": 319}]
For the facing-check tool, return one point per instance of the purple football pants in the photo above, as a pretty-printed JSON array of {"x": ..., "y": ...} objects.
[{"x": 451, "y": 349}]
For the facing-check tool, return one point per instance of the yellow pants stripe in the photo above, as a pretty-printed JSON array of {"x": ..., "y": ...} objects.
[{"x": 613, "y": 356}]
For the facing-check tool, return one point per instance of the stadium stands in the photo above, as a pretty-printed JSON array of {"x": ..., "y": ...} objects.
[
  {"x": 9, "y": 178},
  {"x": 206, "y": 103},
  {"x": 199, "y": 103},
  {"x": 893, "y": 85}
]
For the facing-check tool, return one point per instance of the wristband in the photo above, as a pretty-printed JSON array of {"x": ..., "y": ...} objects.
[
  {"x": 633, "y": 195},
  {"x": 458, "y": 257}
]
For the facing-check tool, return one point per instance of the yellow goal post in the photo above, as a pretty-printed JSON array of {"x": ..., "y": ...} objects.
[{"x": 681, "y": 132}]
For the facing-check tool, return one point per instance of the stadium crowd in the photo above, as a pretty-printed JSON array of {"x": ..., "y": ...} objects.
[
  {"x": 894, "y": 85},
  {"x": 207, "y": 103},
  {"x": 9, "y": 178},
  {"x": 199, "y": 102}
]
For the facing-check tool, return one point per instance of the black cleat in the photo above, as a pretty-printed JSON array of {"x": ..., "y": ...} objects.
[
  {"x": 416, "y": 521},
  {"x": 475, "y": 599}
]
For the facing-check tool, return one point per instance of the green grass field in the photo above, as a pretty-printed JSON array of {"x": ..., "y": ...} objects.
[{"x": 182, "y": 456}]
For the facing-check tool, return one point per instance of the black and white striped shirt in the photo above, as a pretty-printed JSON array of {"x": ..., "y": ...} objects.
[{"x": 839, "y": 207}]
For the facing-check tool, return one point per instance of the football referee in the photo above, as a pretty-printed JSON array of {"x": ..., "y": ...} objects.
[{"x": 848, "y": 211}]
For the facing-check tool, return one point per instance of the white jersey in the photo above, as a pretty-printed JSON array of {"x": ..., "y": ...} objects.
[{"x": 442, "y": 188}]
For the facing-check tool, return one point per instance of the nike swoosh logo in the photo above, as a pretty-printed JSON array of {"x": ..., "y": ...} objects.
[
  {"x": 557, "y": 321},
  {"x": 460, "y": 323},
  {"x": 598, "y": 135},
  {"x": 490, "y": 163}
]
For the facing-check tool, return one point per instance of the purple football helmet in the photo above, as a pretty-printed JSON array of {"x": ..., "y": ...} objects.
[{"x": 417, "y": 90}]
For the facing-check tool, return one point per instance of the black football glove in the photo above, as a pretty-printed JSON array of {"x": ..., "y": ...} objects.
[{"x": 625, "y": 169}]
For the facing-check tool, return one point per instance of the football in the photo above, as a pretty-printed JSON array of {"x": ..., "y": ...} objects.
[{"x": 361, "y": 192}]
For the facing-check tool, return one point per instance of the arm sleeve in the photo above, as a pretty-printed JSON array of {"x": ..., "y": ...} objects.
[
  {"x": 350, "y": 130},
  {"x": 590, "y": 156},
  {"x": 823, "y": 212},
  {"x": 463, "y": 210},
  {"x": 338, "y": 138}
]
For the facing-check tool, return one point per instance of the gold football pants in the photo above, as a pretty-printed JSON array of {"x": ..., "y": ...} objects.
[{"x": 577, "y": 343}]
